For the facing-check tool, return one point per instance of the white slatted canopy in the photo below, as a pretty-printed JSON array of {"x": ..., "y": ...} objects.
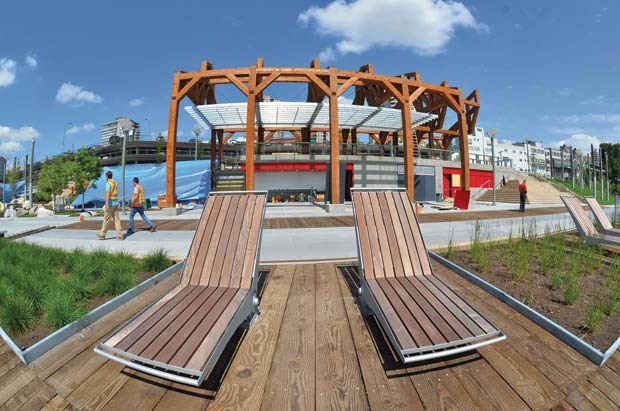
[{"x": 294, "y": 115}]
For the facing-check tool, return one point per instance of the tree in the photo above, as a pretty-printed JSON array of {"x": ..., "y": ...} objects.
[
  {"x": 613, "y": 153},
  {"x": 84, "y": 170},
  {"x": 12, "y": 177},
  {"x": 54, "y": 177}
]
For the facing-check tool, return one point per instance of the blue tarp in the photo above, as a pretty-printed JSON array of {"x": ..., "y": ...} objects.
[
  {"x": 20, "y": 188},
  {"x": 193, "y": 182}
]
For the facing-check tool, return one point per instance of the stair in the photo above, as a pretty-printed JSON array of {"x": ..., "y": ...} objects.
[
  {"x": 230, "y": 180},
  {"x": 539, "y": 192}
]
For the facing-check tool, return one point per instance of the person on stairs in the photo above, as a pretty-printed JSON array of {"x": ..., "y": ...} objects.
[{"x": 522, "y": 196}]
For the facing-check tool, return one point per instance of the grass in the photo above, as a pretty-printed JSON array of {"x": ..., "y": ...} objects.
[
  {"x": 587, "y": 192},
  {"x": 40, "y": 285},
  {"x": 595, "y": 316}
]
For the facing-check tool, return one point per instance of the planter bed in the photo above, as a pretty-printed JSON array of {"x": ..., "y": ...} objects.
[
  {"x": 575, "y": 286},
  {"x": 43, "y": 289}
]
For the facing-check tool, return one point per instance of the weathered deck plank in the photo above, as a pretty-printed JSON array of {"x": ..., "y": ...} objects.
[
  {"x": 244, "y": 384},
  {"x": 293, "y": 386}
]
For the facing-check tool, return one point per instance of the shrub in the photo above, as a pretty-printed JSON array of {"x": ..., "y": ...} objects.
[
  {"x": 17, "y": 314},
  {"x": 594, "y": 317},
  {"x": 477, "y": 248},
  {"x": 61, "y": 309},
  {"x": 79, "y": 287},
  {"x": 158, "y": 260},
  {"x": 521, "y": 264},
  {"x": 612, "y": 301}
]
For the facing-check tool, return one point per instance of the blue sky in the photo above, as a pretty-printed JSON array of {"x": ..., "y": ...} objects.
[{"x": 545, "y": 69}]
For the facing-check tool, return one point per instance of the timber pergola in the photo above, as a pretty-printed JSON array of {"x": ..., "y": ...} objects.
[{"x": 410, "y": 94}]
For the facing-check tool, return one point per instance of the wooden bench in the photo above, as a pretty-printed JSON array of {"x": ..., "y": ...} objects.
[
  {"x": 601, "y": 218},
  {"x": 181, "y": 335},
  {"x": 586, "y": 228},
  {"x": 422, "y": 317}
]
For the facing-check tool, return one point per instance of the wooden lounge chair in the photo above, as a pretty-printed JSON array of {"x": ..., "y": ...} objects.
[
  {"x": 422, "y": 317},
  {"x": 601, "y": 218},
  {"x": 181, "y": 335},
  {"x": 586, "y": 228}
]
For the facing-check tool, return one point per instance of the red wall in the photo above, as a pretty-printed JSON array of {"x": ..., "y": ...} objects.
[{"x": 477, "y": 178}]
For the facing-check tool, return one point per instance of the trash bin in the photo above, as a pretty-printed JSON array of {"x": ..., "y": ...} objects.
[
  {"x": 438, "y": 197},
  {"x": 148, "y": 203}
]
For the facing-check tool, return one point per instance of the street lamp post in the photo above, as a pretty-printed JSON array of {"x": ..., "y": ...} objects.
[
  {"x": 491, "y": 133},
  {"x": 527, "y": 153},
  {"x": 64, "y": 135},
  {"x": 197, "y": 132},
  {"x": 124, "y": 135},
  {"x": 30, "y": 176}
]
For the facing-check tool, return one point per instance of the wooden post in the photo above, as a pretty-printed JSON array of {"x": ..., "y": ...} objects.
[
  {"x": 171, "y": 146},
  {"x": 250, "y": 131},
  {"x": 261, "y": 140},
  {"x": 407, "y": 143},
  {"x": 305, "y": 140},
  {"x": 334, "y": 140},
  {"x": 220, "y": 148},
  {"x": 464, "y": 147},
  {"x": 354, "y": 141},
  {"x": 213, "y": 158}
]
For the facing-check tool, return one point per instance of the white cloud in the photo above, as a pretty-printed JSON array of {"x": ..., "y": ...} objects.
[
  {"x": 564, "y": 91},
  {"x": 599, "y": 101},
  {"x": 71, "y": 93},
  {"x": 11, "y": 138},
  {"x": 31, "y": 60},
  {"x": 85, "y": 128},
  {"x": 7, "y": 71},
  {"x": 579, "y": 141},
  {"x": 136, "y": 102},
  {"x": 327, "y": 55},
  {"x": 425, "y": 26}
]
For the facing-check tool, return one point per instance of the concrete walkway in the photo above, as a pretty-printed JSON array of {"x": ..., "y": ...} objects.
[{"x": 302, "y": 244}]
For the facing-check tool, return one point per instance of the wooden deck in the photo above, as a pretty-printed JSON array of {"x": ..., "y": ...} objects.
[
  {"x": 311, "y": 349},
  {"x": 321, "y": 222}
]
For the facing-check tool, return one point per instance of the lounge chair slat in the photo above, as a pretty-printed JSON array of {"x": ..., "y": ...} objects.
[
  {"x": 402, "y": 331},
  {"x": 448, "y": 324},
  {"x": 599, "y": 214},
  {"x": 146, "y": 315},
  {"x": 181, "y": 335},
  {"x": 188, "y": 338},
  {"x": 421, "y": 316},
  {"x": 364, "y": 244},
  {"x": 390, "y": 229},
  {"x": 227, "y": 250},
  {"x": 417, "y": 235},
  {"x": 154, "y": 340},
  {"x": 201, "y": 355}
]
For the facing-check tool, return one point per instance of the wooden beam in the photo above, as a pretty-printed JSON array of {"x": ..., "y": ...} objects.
[
  {"x": 220, "y": 148},
  {"x": 171, "y": 150},
  {"x": 463, "y": 148},
  {"x": 266, "y": 82},
  {"x": 334, "y": 140},
  {"x": 414, "y": 96},
  {"x": 319, "y": 83},
  {"x": 249, "y": 132},
  {"x": 187, "y": 87},
  {"x": 407, "y": 144},
  {"x": 228, "y": 136},
  {"x": 345, "y": 86},
  {"x": 233, "y": 79}
]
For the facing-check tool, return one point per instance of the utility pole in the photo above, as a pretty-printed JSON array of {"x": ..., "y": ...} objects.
[
  {"x": 197, "y": 132},
  {"x": 592, "y": 169},
  {"x": 607, "y": 172},
  {"x": 6, "y": 160},
  {"x": 562, "y": 160},
  {"x": 581, "y": 172},
  {"x": 30, "y": 177}
]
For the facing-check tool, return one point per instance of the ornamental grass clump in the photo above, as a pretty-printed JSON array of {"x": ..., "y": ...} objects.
[
  {"x": 521, "y": 264},
  {"x": 60, "y": 308},
  {"x": 595, "y": 316},
  {"x": 450, "y": 251},
  {"x": 158, "y": 260},
  {"x": 477, "y": 249},
  {"x": 17, "y": 313}
]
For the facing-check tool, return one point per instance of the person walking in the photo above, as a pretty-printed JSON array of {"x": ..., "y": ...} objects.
[
  {"x": 110, "y": 208},
  {"x": 522, "y": 196},
  {"x": 137, "y": 206}
]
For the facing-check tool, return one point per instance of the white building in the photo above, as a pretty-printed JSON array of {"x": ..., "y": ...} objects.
[
  {"x": 113, "y": 131},
  {"x": 507, "y": 154}
]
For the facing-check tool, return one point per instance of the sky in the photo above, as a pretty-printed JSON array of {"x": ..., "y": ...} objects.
[{"x": 544, "y": 69}]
